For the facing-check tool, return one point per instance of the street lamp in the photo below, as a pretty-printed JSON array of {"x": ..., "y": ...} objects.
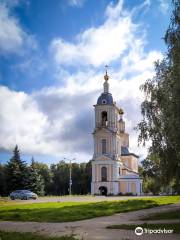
[{"x": 70, "y": 171}]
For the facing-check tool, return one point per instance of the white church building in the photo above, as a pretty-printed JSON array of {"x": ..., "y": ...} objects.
[{"x": 114, "y": 168}]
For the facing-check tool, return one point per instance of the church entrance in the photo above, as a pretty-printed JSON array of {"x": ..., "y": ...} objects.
[{"x": 103, "y": 191}]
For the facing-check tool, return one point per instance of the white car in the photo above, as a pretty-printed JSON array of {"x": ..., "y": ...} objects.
[{"x": 23, "y": 195}]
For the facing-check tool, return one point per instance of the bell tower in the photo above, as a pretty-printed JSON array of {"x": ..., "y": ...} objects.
[
  {"x": 114, "y": 169},
  {"x": 107, "y": 144}
]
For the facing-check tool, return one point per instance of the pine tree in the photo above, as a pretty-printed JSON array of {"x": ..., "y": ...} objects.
[
  {"x": 46, "y": 175},
  {"x": 16, "y": 172},
  {"x": 35, "y": 180}
]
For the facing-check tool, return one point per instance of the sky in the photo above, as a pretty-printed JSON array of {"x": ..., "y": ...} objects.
[{"x": 52, "y": 58}]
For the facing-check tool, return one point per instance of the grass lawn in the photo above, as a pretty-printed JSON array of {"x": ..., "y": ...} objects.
[
  {"x": 73, "y": 211},
  {"x": 29, "y": 236},
  {"x": 174, "y": 226},
  {"x": 164, "y": 215}
]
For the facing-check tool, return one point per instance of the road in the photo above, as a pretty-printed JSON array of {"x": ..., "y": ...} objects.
[{"x": 80, "y": 199}]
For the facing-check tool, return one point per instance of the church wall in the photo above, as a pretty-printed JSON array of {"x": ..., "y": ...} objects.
[
  {"x": 112, "y": 142},
  {"x": 131, "y": 185},
  {"x": 93, "y": 172},
  {"x": 131, "y": 162},
  {"x": 133, "y": 188},
  {"x": 96, "y": 175},
  {"x": 112, "y": 170},
  {"x": 122, "y": 187}
]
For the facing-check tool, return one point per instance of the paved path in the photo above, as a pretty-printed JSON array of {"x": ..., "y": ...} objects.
[
  {"x": 95, "y": 229},
  {"x": 79, "y": 199}
]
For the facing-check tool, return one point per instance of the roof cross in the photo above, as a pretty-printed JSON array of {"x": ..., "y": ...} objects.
[
  {"x": 106, "y": 77},
  {"x": 106, "y": 67}
]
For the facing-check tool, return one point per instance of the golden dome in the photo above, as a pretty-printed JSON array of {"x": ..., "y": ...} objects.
[
  {"x": 106, "y": 77},
  {"x": 121, "y": 111}
]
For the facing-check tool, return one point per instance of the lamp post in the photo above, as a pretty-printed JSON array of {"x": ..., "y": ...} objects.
[{"x": 70, "y": 173}]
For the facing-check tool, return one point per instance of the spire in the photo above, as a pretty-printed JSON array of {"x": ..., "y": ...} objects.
[{"x": 106, "y": 84}]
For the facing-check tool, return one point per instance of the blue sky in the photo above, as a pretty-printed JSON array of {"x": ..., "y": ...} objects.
[{"x": 52, "y": 57}]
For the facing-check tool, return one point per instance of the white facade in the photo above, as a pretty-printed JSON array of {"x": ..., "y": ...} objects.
[{"x": 114, "y": 169}]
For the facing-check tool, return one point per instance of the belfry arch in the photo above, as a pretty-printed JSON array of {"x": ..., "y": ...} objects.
[{"x": 104, "y": 119}]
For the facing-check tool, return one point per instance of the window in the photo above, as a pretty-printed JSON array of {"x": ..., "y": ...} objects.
[
  {"x": 104, "y": 118},
  {"x": 104, "y": 101},
  {"x": 103, "y": 174},
  {"x": 104, "y": 146}
]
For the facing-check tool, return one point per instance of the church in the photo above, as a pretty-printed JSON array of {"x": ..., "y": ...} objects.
[{"x": 114, "y": 168}]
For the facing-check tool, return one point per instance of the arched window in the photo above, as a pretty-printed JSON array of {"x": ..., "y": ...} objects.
[
  {"x": 104, "y": 148},
  {"x": 103, "y": 174},
  {"x": 104, "y": 118}
]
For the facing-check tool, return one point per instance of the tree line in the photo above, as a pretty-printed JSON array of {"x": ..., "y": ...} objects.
[{"x": 43, "y": 179}]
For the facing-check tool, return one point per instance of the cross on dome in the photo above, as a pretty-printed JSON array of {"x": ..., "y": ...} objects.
[{"x": 106, "y": 77}]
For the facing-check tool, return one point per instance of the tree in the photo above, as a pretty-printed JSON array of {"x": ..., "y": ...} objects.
[
  {"x": 161, "y": 107},
  {"x": 87, "y": 177},
  {"x": 16, "y": 172},
  {"x": 151, "y": 174},
  {"x": 77, "y": 172},
  {"x": 46, "y": 175},
  {"x": 81, "y": 178},
  {"x": 35, "y": 180},
  {"x": 3, "y": 185},
  {"x": 60, "y": 178}
]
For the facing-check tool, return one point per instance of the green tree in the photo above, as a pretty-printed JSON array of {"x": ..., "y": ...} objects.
[
  {"x": 151, "y": 174},
  {"x": 16, "y": 172},
  {"x": 46, "y": 175},
  {"x": 87, "y": 177},
  {"x": 161, "y": 107},
  {"x": 81, "y": 178},
  {"x": 77, "y": 172},
  {"x": 35, "y": 180},
  {"x": 60, "y": 178},
  {"x": 3, "y": 185}
]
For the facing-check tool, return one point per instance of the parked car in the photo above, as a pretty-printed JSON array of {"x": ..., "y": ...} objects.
[{"x": 23, "y": 195}]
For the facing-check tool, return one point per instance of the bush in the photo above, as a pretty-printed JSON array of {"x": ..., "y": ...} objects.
[
  {"x": 120, "y": 194},
  {"x": 128, "y": 194},
  {"x": 110, "y": 194}
]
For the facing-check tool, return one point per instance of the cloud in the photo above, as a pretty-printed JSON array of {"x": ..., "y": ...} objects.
[
  {"x": 10, "y": 3},
  {"x": 13, "y": 39},
  {"x": 58, "y": 120},
  {"x": 70, "y": 115},
  {"x": 76, "y": 3},
  {"x": 101, "y": 45},
  {"x": 45, "y": 123},
  {"x": 34, "y": 64},
  {"x": 118, "y": 39},
  {"x": 21, "y": 122},
  {"x": 164, "y": 6}
]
